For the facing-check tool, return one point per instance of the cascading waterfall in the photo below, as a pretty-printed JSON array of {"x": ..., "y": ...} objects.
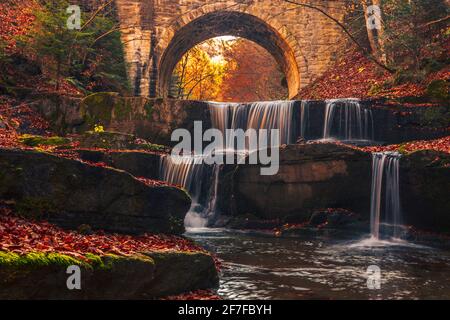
[
  {"x": 345, "y": 119},
  {"x": 259, "y": 115},
  {"x": 191, "y": 172},
  {"x": 385, "y": 167},
  {"x": 304, "y": 118}
]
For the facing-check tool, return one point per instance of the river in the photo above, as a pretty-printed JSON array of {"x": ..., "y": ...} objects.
[{"x": 258, "y": 266}]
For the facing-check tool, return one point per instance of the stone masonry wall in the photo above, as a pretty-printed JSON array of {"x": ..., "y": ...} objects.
[{"x": 303, "y": 40}]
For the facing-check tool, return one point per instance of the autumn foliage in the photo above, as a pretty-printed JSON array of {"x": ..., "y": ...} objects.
[
  {"x": 353, "y": 75},
  {"x": 442, "y": 144},
  {"x": 15, "y": 20},
  {"x": 255, "y": 77},
  {"x": 23, "y": 236}
]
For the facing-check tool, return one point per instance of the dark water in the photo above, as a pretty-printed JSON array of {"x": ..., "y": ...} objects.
[{"x": 266, "y": 267}]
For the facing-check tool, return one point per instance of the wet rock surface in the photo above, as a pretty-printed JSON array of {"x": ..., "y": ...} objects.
[
  {"x": 70, "y": 193},
  {"x": 424, "y": 190},
  {"x": 311, "y": 177}
]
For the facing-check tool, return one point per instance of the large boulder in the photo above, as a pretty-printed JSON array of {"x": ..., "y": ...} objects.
[
  {"x": 138, "y": 163},
  {"x": 70, "y": 193},
  {"x": 152, "y": 119},
  {"x": 140, "y": 276},
  {"x": 311, "y": 176},
  {"x": 424, "y": 190}
]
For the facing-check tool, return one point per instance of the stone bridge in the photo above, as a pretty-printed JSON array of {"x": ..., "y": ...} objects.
[{"x": 157, "y": 33}]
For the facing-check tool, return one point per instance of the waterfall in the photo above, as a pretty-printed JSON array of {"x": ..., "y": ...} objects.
[
  {"x": 258, "y": 115},
  {"x": 304, "y": 118},
  {"x": 385, "y": 167},
  {"x": 345, "y": 119},
  {"x": 192, "y": 173},
  {"x": 202, "y": 180}
]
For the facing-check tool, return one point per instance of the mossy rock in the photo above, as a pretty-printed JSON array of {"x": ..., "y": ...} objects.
[
  {"x": 98, "y": 108},
  {"x": 36, "y": 260},
  {"x": 35, "y": 141},
  {"x": 107, "y": 140},
  {"x": 152, "y": 147},
  {"x": 123, "y": 109},
  {"x": 117, "y": 141},
  {"x": 39, "y": 275},
  {"x": 70, "y": 193}
]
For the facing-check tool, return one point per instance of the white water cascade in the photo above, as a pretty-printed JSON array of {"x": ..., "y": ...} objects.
[
  {"x": 346, "y": 120},
  {"x": 258, "y": 115},
  {"x": 195, "y": 176},
  {"x": 385, "y": 168},
  {"x": 304, "y": 118},
  {"x": 202, "y": 180}
]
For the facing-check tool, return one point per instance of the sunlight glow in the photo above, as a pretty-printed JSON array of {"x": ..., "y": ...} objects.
[{"x": 218, "y": 59}]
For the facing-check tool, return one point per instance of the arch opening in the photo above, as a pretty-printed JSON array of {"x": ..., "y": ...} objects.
[
  {"x": 228, "y": 69},
  {"x": 228, "y": 23}
]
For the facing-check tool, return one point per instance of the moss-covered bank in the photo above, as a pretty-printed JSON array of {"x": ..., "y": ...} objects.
[{"x": 38, "y": 275}]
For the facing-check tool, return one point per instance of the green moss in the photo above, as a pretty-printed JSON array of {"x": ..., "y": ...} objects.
[
  {"x": 34, "y": 260},
  {"x": 402, "y": 149},
  {"x": 34, "y": 141},
  {"x": 38, "y": 260},
  {"x": 123, "y": 109},
  {"x": 152, "y": 147},
  {"x": 148, "y": 107},
  {"x": 97, "y": 108},
  {"x": 102, "y": 263}
]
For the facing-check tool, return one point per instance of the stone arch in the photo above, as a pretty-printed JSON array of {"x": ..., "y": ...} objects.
[{"x": 210, "y": 22}]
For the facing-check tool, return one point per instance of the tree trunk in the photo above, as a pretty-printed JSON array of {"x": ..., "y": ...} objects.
[
  {"x": 58, "y": 73},
  {"x": 375, "y": 36},
  {"x": 380, "y": 35}
]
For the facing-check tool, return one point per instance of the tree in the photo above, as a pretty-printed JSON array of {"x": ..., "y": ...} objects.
[
  {"x": 256, "y": 75},
  {"x": 415, "y": 32},
  {"x": 346, "y": 30},
  {"x": 91, "y": 58},
  {"x": 200, "y": 75}
]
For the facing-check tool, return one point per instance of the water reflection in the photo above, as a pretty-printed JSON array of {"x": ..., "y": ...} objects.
[{"x": 263, "y": 267}]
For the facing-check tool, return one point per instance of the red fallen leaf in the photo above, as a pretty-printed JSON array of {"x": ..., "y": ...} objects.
[
  {"x": 195, "y": 295},
  {"x": 442, "y": 144},
  {"x": 22, "y": 236}
]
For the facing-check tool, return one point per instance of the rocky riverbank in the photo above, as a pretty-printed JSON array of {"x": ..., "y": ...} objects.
[
  {"x": 94, "y": 193},
  {"x": 329, "y": 185}
]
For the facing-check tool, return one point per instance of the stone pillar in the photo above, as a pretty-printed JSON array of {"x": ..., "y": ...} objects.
[{"x": 136, "y": 18}]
